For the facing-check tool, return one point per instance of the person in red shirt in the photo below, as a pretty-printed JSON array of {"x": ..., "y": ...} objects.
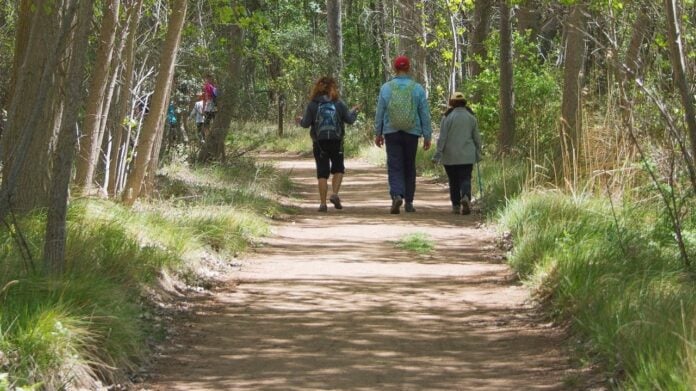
[{"x": 209, "y": 100}]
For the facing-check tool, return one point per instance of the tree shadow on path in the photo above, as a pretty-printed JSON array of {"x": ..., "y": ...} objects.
[{"x": 329, "y": 303}]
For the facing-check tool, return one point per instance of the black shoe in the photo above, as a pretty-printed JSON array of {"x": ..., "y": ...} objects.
[
  {"x": 409, "y": 207},
  {"x": 456, "y": 209},
  {"x": 336, "y": 201},
  {"x": 396, "y": 205},
  {"x": 322, "y": 208},
  {"x": 466, "y": 207}
]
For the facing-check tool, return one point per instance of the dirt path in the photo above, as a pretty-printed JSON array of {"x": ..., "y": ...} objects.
[{"x": 329, "y": 303}]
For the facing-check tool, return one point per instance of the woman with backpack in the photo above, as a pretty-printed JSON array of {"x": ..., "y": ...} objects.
[
  {"x": 458, "y": 149},
  {"x": 326, "y": 115}
]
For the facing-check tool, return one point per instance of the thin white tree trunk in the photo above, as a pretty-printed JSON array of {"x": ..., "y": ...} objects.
[
  {"x": 90, "y": 141},
  {"x": 155, "y": 119}
]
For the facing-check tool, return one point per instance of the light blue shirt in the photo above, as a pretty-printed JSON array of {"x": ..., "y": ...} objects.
[{"x": 423, "y": 126}]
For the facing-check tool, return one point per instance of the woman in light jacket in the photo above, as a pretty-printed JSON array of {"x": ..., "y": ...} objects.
[{"x": 458, "y": 149}]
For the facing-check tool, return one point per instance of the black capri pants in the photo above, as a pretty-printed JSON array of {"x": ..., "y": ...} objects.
[{"x": 328, "y": 156}]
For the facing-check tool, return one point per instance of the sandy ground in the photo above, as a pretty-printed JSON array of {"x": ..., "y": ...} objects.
[{"x": 329, "y": 303}]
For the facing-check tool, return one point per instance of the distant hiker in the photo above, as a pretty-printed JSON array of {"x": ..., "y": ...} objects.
[
  {"x": 198, "y": 114},
  {"x": 403, "y": 116},
  {"x": 172, "y": 122},
  {"x": 325, "y": 115},
  {"x": 458, "y": 149},
  {"x": 210, "y": 97}
]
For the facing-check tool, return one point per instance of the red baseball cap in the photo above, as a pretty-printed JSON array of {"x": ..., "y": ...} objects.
[{"x": 401, "y": 63}]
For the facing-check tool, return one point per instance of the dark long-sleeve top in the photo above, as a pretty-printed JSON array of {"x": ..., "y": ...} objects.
[{"x": 345, "y": 115}]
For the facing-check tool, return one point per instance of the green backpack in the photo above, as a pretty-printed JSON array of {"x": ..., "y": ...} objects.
[{"x": 401, "y": 109}]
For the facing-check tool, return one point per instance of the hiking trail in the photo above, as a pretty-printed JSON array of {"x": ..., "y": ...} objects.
[{"x": 328, "y": 302}]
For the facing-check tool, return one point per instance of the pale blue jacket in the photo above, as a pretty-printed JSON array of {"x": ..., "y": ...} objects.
[{"x": 423, "y": 126}]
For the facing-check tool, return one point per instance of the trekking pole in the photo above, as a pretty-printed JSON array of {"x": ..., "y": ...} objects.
[{"x": 480, "y": 181}]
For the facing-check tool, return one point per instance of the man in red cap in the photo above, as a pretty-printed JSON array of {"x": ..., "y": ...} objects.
[{"x": 403, "y": 116}]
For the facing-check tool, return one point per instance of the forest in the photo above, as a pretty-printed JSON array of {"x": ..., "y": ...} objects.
[{"x": 587, "y": 110}]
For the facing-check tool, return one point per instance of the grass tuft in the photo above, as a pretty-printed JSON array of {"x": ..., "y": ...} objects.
[{"x": 418, "y": 242}]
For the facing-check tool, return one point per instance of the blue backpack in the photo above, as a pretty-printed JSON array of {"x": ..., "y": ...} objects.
[{"x": 327, "y": 122}]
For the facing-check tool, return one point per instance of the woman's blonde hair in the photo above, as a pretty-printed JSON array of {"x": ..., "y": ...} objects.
[{"x": 325, "y": 86}]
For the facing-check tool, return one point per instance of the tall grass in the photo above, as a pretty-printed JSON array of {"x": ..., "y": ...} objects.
[
  {"x": 614, "y": 278},
  {"x": 91, "y": 323},
  {"x": 296, "y": 139}
]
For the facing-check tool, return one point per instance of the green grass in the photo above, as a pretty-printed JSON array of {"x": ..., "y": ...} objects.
[
  {"x": 618, "y": 282},
  {"x": 418, "y": 242},
  {"x": 93, "y": 322},
  {"x": 296, "y": 139}
]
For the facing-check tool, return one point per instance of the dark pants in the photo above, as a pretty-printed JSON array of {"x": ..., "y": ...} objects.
[
  {"x": 328, "y": 156},
  {"x": 459, "y": 176},
  {"x": 401, "y": 164}
]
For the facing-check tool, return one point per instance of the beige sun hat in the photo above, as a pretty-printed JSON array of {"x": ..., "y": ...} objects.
[{"x": 457, "y": 96}]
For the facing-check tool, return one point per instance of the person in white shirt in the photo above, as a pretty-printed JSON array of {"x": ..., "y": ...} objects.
[{"x": 198, "y": 113}]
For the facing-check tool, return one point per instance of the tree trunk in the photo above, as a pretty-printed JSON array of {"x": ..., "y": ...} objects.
[
  {"x": 34, "y": 114},
  {"x": 529, "y": 18},
  {"x": 155, "y": 119},
  {"x": 335, "y": 29},
  {"x": 21, "y": 42},
  {"x": 118, "y": 152},
  {"x": 384, "y": 40},
  {"x": 477, "y": 47},
  {"x": 54, "y": 244},
  {"x": 678, "y": 59},
  {"x": 452, "y": 82},
  {"x": 507, "y": 107},
  {"x": 230, "y": 90},
  {"x": 571, "y": 105},
  {"x": 90, "y": 141},
  {"x": 411, "y": 32},
  {"x": 642, "y": 30},
  {"x": 549, "y": 30}
]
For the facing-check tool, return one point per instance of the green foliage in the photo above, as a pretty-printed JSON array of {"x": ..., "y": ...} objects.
[
  {"x": 93, "y": 318},
  {"x": 88, "y": 320},
  {"x": 296, "y": 139},
  {"x": 537, "y": 98},
  {"x": 418, "y": 242},
  {"x": 620, "y": 288}
]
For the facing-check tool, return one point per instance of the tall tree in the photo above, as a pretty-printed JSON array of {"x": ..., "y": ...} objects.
[
  {"x": 479, "y": 33},
  {"x": 413, "y": 37},
  {"x": 678, "y": 59},
  {"x": 507, "y": 108},
  {"x": 155, "y": 120},
  {"x": 91, "y": 140},
  {"x": 54, "y": 243},
  {"x": 384, "y": 40},
  {"x": 118, "y": 152},
  {"x": 641, "y": 31},
  {"x": 335, "y": 29},
  {"x": 214, "y": 148},
  {"x": 529, "y": 18},
  {"x": 571, "y": 113},
  {"x": 32, "y": 128}
]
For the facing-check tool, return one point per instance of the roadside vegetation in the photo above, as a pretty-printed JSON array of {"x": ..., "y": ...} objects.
[{"x": 96, "y": 321}]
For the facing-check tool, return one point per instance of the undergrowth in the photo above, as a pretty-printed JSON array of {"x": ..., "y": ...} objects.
[
  {"x": 89, "y": 325},
  {"x": 616, "y": 278}
]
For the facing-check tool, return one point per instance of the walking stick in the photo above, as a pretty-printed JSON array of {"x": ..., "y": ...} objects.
[{"x": 480, "y": 181}]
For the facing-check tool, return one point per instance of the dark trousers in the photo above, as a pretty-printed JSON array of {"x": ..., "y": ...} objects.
[
  {"x": 459, "y": 176},
  {"x": 401, "y": 164},
  {"x": 328, "y": 157}
]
